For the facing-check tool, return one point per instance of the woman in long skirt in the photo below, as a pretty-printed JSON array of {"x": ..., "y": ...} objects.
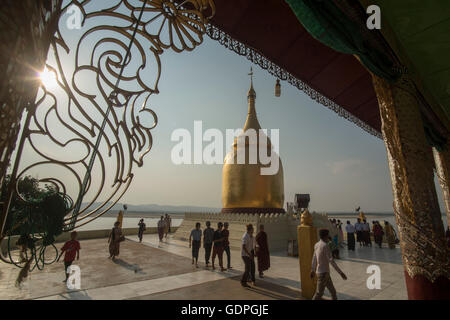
[
  {"x": 390, "y": 235},
  {"x": 378, "y": 233},
  {"x": 115, "y": 237},
  {"x": 166, "y": 225},
  {"x": 262, "y": 251},
  {"x": 161, "y": 225}
]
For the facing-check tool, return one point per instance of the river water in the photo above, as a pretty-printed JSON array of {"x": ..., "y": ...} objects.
[
  {"x": 132, "y": 222},
  {"x": 108, "y": 222}
]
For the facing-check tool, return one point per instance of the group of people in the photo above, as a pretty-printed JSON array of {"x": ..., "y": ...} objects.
[
  {"x": 219, "y": 242},
  {"x": 215, "y": 240},
  {"x": 362, "y": 231},
  {"x": 71, "y": 248},
  {"x": 164, "y": 227}
]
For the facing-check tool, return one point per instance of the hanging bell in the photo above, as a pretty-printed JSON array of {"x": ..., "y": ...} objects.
[{"x": 278, "y": 88}]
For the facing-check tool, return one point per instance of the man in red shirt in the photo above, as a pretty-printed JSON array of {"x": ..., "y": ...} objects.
[{"x": 70, "y": 249}]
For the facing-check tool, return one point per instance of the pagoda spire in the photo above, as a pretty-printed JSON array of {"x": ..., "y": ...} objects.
[
  {"x": 251, "y": 92},
  {"x": 252, "y": 120}
]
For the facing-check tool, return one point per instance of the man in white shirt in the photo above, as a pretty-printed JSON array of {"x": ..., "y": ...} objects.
[
  {"x": 350, "y": 229},
  {"x": 359, "y": 232},
  {"x": 321, "y": 266},
  {"x": 248, "y": 255}
]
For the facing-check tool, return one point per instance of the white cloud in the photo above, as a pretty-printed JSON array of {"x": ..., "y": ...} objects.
[{"x": 346, "y": 166}]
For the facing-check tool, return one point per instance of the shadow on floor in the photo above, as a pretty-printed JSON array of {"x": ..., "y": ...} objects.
[
  {"x": 283, "y": 281},
  {"x": 272, "y": 291},
  {"x": 361, "y": 255},
  {"x": 132, "y": 267},
  {"x": 76, "y": 295},
  {"x": 366, "y": 255},
  {"x": 296, "y": 284}
]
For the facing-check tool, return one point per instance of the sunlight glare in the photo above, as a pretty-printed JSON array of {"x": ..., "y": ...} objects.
[{"x": 48, "y": 78}]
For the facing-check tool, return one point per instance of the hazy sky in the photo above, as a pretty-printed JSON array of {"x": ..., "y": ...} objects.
[{"x": 338, "y": 163}]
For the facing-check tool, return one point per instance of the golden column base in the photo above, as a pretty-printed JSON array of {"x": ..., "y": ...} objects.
[
  {"x": 120, "y": 218},
  {"x": 307, "y": 238}
]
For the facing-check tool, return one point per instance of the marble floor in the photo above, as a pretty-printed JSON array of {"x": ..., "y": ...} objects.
[{"x": 154, "y": 270}]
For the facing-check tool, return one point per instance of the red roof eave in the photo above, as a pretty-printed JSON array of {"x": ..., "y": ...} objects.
[{"x": 275, "y": 39}]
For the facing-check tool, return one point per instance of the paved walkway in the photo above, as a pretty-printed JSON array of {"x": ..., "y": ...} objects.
[
  {"x": 153, "y": 270},
  {"x": 285, "y": 270}
]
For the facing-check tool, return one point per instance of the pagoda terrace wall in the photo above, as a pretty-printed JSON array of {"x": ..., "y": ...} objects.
[{"x": 279, "y": 227}]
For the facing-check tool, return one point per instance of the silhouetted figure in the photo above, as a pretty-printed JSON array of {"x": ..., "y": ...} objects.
[{"x": 262, "y": 251}]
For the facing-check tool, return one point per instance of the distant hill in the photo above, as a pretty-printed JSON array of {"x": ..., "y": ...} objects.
[{"x": 156, "y": 208}]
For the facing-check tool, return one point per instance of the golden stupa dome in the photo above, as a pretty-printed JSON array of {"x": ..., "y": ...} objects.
[{"x": 244, "y": 188}]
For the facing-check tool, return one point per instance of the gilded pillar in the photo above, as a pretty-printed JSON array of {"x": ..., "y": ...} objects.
[
  {"x": 422, "y": 241},
  {"x": 307, "y": 238},
  {"x": 442, "y": 161},
  {"x": 120, "y": 218}
]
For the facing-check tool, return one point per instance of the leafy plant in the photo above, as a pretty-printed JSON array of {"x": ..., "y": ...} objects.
[{"x": 37, "y": 211}]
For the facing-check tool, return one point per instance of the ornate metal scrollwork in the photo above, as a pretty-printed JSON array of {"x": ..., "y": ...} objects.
[{"x": 61, "y": 131}]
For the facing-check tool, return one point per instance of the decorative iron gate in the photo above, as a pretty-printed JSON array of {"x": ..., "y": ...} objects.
[{"x": 93, "y": 126}]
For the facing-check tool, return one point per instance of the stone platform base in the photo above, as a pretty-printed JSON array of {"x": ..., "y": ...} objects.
[
  {"x": 280, "y": 228},
  {"x": 253, "y": 210}
]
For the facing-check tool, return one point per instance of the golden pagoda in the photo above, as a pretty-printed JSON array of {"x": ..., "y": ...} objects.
[{"x": 244, "y": 188}]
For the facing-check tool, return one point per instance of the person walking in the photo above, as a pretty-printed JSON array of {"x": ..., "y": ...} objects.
[
  {"x": 226, "y": 244},
  {"x": 332, "y": 244},
  {"x": 262, "y": 251},
  {"x": 71, "y": 249},
  {"x": 218, "y": 246},
  {"x": 141, "y": 226},
  {"x": 169, "y": 222},
  {"x": 208, "y": 236},
  {"x": 195, "y": 240},
  {"x": 340, "y": 233},
  {"x": 366, "y": 233},
  {"x": 321, "y": 261},
  {"x": 166, "y": 225},
  {"x": 350, "y": 229},
  {"x": 390, "y": 235},
  {"x": 114, "y": 240},
  {"x": 359, "y": 232},
  {"x": 378, "y": 233},
  {"x": 161, "y": 226},
  {"x": 248, "y": 255}
]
